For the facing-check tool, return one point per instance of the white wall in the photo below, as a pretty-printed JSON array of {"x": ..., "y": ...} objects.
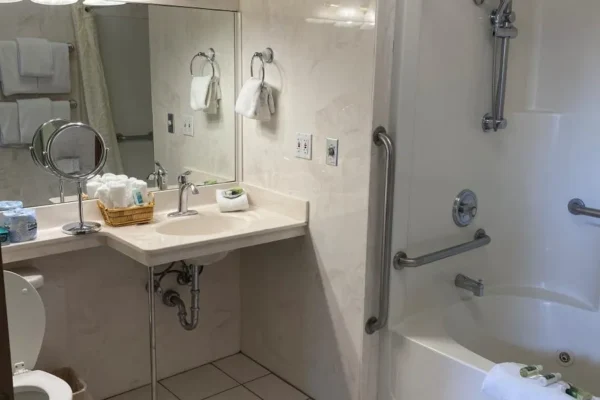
[
  {"x": 303, "y": 300},
  {"x": 524, "y": 176},
  {"x": 176, "y": 35}
]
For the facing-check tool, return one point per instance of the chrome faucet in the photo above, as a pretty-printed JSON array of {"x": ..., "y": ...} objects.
[
  {"x": 473, "y": 286},
  {"x": 159, "y": 177},
  {"x": 184, "y": 187}
]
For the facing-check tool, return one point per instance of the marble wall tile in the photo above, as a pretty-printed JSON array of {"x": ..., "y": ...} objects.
[
  {"x": 176, "y": 35},
  {"x": 303, "y": 299},
  {"x": 97, "y": 320}
]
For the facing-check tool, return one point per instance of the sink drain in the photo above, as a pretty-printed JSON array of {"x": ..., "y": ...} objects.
[{"x": 564, "y": 358}]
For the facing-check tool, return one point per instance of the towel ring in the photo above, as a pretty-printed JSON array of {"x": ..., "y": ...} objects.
[
  {"x": 265, "y": 56},
  {"x": 210, "y": 57}
]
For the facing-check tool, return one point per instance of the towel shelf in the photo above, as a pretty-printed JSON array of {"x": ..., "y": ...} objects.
[
  {"x": 135, "y": 138},
  {"x": 401, "y": 260}
]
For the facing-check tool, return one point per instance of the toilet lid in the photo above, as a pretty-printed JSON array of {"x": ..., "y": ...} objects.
[{"x": 26, "y": 320}]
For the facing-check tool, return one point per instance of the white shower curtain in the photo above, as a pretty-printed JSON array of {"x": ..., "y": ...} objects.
[{"x": 95, "y": 90}]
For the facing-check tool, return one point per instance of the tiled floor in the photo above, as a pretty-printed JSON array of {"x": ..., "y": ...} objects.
[{"x": 232, "y": 378}]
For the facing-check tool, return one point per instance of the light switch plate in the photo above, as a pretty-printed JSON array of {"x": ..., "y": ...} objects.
[
  {"x": 170, "y": 123},
  {"x": 331, "y": 152},
  {"x": 304, "y": 146},
  {"x": 187, "y": 121}
]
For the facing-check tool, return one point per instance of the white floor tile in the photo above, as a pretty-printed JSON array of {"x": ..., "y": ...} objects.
[
  {"x": 272, "y": 388},
  {"x": 241, "y": 368},
  {"x": 199, "y": 383},
  {"x": 239, "y": 393},
  {"x": 143, "y": 393}
]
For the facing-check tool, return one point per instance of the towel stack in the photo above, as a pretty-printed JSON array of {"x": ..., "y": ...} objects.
[
  {"x": 118, "y": 191},
  {"x": 20, "y": 120},
  {"x": 205, "y": 94},
  {"x": 31, "y": 65},
  {"x": 231, "y": 200},
  {"x": 256, "y": 100}
]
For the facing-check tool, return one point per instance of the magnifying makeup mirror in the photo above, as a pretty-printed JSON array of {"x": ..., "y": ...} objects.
[{"x": 74, "y": 152}]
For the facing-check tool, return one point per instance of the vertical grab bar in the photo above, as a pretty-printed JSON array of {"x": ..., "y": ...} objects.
[{"x": 381, "y": 138}]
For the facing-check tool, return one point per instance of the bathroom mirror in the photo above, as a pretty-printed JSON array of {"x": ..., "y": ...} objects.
[{"x": 139, "y": 100}]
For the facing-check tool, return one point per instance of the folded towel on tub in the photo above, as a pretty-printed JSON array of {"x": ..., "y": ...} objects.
[{"x": 504, "y": 382}]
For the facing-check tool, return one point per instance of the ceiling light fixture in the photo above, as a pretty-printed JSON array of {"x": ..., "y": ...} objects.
[
  {"x": 102, "y": 3},
  {"x": 55, "y": 2}
]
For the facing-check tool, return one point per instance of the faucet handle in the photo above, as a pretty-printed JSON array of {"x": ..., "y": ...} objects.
[
  {"x": 161, "y": 170},
  {"x": 182, "y": 179}
]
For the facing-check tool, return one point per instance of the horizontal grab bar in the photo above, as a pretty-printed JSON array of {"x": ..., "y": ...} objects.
[
  {"x": 577, "y": 207},
  {"x": 135, "y": 138},
  {"x": 401, "y": 260}
]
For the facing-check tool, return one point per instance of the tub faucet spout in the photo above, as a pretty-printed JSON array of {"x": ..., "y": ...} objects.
[{"x": 473, "y": 286}]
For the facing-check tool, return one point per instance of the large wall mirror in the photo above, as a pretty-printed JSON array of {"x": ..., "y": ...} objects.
[{"x": 157, "y": 82}]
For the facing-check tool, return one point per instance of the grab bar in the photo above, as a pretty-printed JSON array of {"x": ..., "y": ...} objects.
[
  {"x": 135, "y": 138},
  {"x": 380, "y": 137},
  {"x": 577, "y": 207},
  {"x": 401, "y": 260}
]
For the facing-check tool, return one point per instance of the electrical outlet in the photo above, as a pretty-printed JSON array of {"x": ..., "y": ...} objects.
[
  {"x": 304, "y": 146},
  {"x": 188, "y": 125},
  {"x": 332, "y": 152}
]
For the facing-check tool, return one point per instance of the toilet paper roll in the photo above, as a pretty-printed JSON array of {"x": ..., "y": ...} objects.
[
  {"x": 7, "y": 206},
  {"x": 91, "y": 187},
  {"x": 22, "y": 224}
]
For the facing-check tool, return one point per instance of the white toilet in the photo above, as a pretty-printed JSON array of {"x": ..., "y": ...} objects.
[{"x": 26, "y": 327}]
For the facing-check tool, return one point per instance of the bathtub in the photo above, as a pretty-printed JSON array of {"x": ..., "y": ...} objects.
[{"x": 445, "y": 353}]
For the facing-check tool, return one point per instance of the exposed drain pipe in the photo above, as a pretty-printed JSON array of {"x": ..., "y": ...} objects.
[{"x": 172, "y": 299}]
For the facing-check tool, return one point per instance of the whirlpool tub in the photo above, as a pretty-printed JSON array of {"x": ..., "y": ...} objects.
[{"x": 445, "y": 353}]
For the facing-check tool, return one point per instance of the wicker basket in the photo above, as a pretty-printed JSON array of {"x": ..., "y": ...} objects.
[{"x": 135, "y": 215}]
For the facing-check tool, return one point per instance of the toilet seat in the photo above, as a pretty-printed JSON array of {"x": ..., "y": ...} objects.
[
  {"x": 53, "y": 386},
  {"x": 26, "y": 327}
]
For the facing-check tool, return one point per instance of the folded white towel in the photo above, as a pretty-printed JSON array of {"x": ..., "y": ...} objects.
[
  {"x": 504, "y": 382},
  {"x": 266, "y": 104},
  {"x": 33, "y": 113},
  {"x": 199, "y": 92},
  {"x": 35, "y": 57},
  {"x": 256, "y": 100},
  {"x": 248, "y": 99},
  {"x": 91, "y": 187},
  {"x": 118, "y": 194},
  {"x": 62, "y": 110},
  {"x": 103, "y": 194},
  {"x": 9, "y": 124},
  {"x": 12, "y": 81},
  {"x": 230, "y": 205},
  {"x": 60, "y": 81},
  {"x": 214, "y": 97}
]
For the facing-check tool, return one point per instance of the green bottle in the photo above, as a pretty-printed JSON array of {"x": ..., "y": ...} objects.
[{"x": 531, "y": 370}]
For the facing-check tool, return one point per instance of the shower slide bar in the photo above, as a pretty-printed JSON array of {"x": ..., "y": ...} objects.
[
  {"x": 401, "y": 260},
  {"x": 381, "y": 138},
  {"x": 577, "y": 207}
]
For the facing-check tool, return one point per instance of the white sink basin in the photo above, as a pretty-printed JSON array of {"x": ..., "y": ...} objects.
[{"x": 201, "y": 225}]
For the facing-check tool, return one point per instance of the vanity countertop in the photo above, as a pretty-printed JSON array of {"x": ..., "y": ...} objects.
[{"x": 271, "y": 217}]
